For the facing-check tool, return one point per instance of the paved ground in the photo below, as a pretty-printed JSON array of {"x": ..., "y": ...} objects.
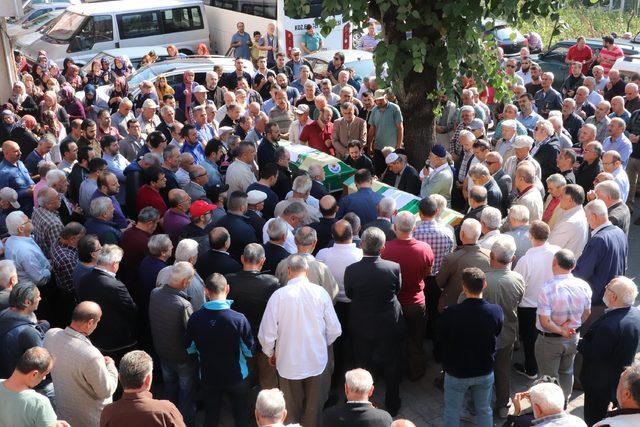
[{"x": 423, "y": 403}]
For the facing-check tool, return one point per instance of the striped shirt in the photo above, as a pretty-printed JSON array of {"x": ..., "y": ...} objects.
[
  {"x": 441, "y": 243},
  {"x": 564, "y": 298}
]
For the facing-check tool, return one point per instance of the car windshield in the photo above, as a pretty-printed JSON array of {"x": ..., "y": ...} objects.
[
  {"x": 504, "y": 33},
  {"x": 66, "y": 26},
  {"x": 362, "y": 68}
]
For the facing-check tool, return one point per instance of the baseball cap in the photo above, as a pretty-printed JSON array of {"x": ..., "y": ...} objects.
[
  {"x": 256, "y": 196},
  {"x": 379, "y": 94},
  {"x": 476, "y": 124},
  {"x": 200, "y": 207},
  {"x": 8, "y": 194},
  {"x": 302, "y": 109},
  {"x": 200, "y": 89},
  {"x": 149, "y": 103},
  {"x": 439, "y": 151},
  {"x": 295, "y": 50},
  {"x": 391, "y": 158}
]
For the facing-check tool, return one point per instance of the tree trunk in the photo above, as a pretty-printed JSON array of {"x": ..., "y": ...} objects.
[{"x": 418, "y": 115}]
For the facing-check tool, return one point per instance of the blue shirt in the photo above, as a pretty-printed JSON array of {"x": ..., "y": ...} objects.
[
  {"x": 211, "y": 331},
  {"x": 243, "y": 50},
  {"x": 31, "y": 162},
  {"x": 621, "y": 144},
  {"x": 196, "y": 151},
  {"x": 530, "y": 121},
  {"x": 31, "y": 264},
  {"x": 205, "y": 133},
  {"x": 268, "y": 105},
  {"x": 215, "y": 177},
  {"x": 17, "y": 177},
  {"x": 363, "y": 203},
  {"x": 312, "y": 42}
]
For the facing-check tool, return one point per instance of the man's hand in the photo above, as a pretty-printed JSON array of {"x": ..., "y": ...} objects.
[
  {"x": 109, "y": 361},
  {"x": 591, "y": 195},
  {"x": 61, "y": 423},
  {"x": 634, "y": 138}
]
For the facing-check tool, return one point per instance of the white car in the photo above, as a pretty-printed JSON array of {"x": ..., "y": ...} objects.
[
  {"x": 34, "y": 25},
  {"x": 628, "y": 66}
]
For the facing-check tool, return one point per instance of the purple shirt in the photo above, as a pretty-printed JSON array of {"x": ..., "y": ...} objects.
[{"x": 174, "y": 222}]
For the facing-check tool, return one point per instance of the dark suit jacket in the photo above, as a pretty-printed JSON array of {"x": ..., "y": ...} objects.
[
  {"x": 214, "y": 261},
  {"x": 603, "y": 258},
  {"x": 323, "y": 230},
  {"x": 586, "y": 174},
  {"x": 116, "y": 330},
  {"x": 241, "y": 233},
  {"x": 363, "y": 203},
  {"x": 546, "y": 156},
  {"x": 504, "y": 182},
  {"x": 373, "y": 285},
  {"x": 255, "y": 221},
  {"x": 384, "y": 225},
  {"x": 569, "y": 176},
  {"x": 273, "y": 254},
  {"x": 409, "y": 180},
  {"x": 356, "y": 415},
  {"x": 608, "y": 346},
  {"x": 318, "y": 190},
  {"x": 620, "y": 216},
  {"x": 283, "y": 184},
  {"x": 494, "y": 194},
  {"x": 449, "y": 276}
]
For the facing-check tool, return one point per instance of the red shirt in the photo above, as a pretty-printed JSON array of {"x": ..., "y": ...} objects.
[
  {"x": 415, "y": 259},
  {"x": 580, "y": 55},
  {"x": 548, "y": 213},
  {"x": 147, "y": 196},
  {"x": 609, "y": 57},
  {"x": 315, "y": 137}
]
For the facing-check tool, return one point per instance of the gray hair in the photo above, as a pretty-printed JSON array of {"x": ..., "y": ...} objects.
[
  {"x": 186, "y": 249},
  {"x": 277, "y": 229},
  {"x": 625, "y": 289},
  {"x": 21, "y": 294},
  {"x": 547, "y": 126},
  {"x": 548, "y": 396},
  {"x": 524, "y": 138},
  {"x": 611, "y": 189},
  {"x": 125, "y": 101},
  {"x": 134, "y": 367},
  {"x": 315, "y": 170},
  {"x": 359, "y": 380},
  {"x": 479, "y": 171},
  {"x": 253, "y": 253},
  {"x": 386, "y": 206},
  {"x": 466, "y": 134},
  {"x": 373, "y": 240},
  {"x": 305, "y": 236},
  {"x": 597, "y": 208},
  {"x": 309, "y": 83},
  {"x": 503, "y": 249},
  {"x": 298, "y": 263},
  {"x": 557, "y": 179},
  {"x": 509, "y": 123},
  {"x": 148, "y": 214},
  {"x": 151, "y": 159},
  {"x": 54, "y": 176},
  {"x": 7, "y": 271},
  {"x": 159, "y": 243},
  {"x": 405, "y": 222},
  {"x": 471, "y": 229},
  {"x": 15, "y": 220},
  {"x": 491, "y": 217},
  {"x": 110, "y": 254},
  {"x": 296, "y": 209},
  {"x": 518, "y": 213},
  {"x": 99, "y": 206},
  {"x": 270, "y": 404},
  {"x": 467, "y": 109},
  {"x": 302, "y": 184},
  {"x": 45, "y": 194},
  {"x": 180, "y": 271}
]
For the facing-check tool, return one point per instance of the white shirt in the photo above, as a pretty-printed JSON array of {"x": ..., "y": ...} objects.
[
  {"x": 239, "y": 176},
  {"x": 299, "y": 323},
  {"x": 535, "y": 267},
  {"x": 289, "y": 241},
  {"x": 621, "y": 177},
  {"x": 489, "y": 239},
  {"x": 571, "y": 230},
  {"x": 595, "y": 98},
  {"x": 338, "y": 258}
]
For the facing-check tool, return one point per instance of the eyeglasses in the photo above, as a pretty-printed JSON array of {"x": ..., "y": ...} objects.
[{"x": 511, "y": 66}]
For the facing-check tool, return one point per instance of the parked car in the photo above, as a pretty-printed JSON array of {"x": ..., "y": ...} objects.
[
  {"x": 33, "y": 11},
  {"x": 172, "y": 69},
  {"x": 508, "y": 38},
  {"x": 34, "y": 25},
  {"x": 134, "y": 54},
  {"x": 361, "y": 61},
  {"x": 553, "y": 59},
  {"x": 629, "y": 67}
]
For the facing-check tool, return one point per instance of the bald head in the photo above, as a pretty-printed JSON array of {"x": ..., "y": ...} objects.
[
  {"x": 11, "y": 151},
  {"x": 328, "y": 206},
  {"x": 342, "y": 232}
]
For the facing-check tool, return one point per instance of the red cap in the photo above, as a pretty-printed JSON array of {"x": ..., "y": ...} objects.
[{"x": 200, "y": 207}]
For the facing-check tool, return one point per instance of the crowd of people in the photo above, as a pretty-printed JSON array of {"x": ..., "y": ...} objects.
[{"x": 165, "y": 238}]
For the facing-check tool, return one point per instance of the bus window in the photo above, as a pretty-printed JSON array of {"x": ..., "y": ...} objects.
[
  {"x": 139, "y": 24},
  {"x": 261, "y": 8},
  {"x": 182, "y": 19}
]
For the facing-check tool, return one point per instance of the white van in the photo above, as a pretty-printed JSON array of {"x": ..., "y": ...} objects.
[{"x": 85, "y": 29}]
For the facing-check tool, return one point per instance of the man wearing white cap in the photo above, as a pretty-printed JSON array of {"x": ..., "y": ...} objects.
[
  {"x": 401, "y": 175},
  {"x": 386, "y": 128},
  {"x": 148, "y": 118},
  {"x": 521, "y": 147},
  {"x": 255, "y": 205},
  {"x": 296, "y": 62},
  {"x": 302, "y": 119},
  {"x": 199, "y": 98}
]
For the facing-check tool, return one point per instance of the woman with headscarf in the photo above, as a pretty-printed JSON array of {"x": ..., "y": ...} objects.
[
  {"x": 74, "y": 78},
  {"x": 163, "y": 88},
  {"x": 65, "y": 65},
  {"x": 55, "y": 129},
  {"x": 32, "y": 90},
  {"x": 118, "y": 93},
  {"x": 89, "y": 104},
  {"x": 54, "y": 72},
  {"x": 24, "y": 134},
  {"x": 71, "y": 104},
  {"x": 95, "y": 75},
  {"x": 39, "y": 76},
  {"x": 50, "y": 103},
  {"x": 21, "y": 101},
  {"x": 119, "y": 68}
]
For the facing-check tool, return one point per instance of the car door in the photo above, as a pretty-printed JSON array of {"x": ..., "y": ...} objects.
[{"x": 553, "y": 61}]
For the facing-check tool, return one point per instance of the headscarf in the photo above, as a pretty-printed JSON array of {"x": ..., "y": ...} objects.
[
  {"x": 123, "y": 70},
  {"x": 67, "y": 94},
  {"x": 89, "y": 89},
  {"x": 65, "y": 65},
  {"x": 202, "y": 47},
  {"x": 124, "y": 86},
  {"x": 28, "y": 121},
  {"x": 20, "y": 98},
  {"x": 104, "y": 61}
]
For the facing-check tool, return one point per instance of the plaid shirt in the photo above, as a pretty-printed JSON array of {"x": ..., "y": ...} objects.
[
  {"x": 455, "y": 146},
  {"x": 47, "y": 226},
  {"x": 564, "y": 298},
  {"x": 64, "y": 260},
  {"x": 441, "y": 244}
]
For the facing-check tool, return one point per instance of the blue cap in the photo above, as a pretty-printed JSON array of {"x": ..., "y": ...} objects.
[{"x": 439, "y": 151}]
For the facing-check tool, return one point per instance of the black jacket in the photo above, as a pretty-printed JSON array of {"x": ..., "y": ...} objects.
[
  {"x": 504, "y": 182},
  {"x": 214, "y": 261},
  {"x": 547, "y": 155},
  {"x": 273, "y": 254},
  {"x": 568, "y": 176},
  {"x": 284, "y": 182},
  {"x": 494, "y": 194},
  {"x": 323, "y": 231},
  {"x": 250, "y": 292},
  {"x": 255, "y": 221},
  {"x": 318, "y": 190},
  {"x": 586, "y": 174},
  {"x": 25, "y": 139},
  {"x": 356, "y": 414},
  {"x": 77, "y": 175},
  {"x": 384, "y": 225},
  {"x": 241, "y": 233},
  {"x": 116, "y": 330},
  {"x": 409, "y": 180},
  {"x": 620, "y": 216}
]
